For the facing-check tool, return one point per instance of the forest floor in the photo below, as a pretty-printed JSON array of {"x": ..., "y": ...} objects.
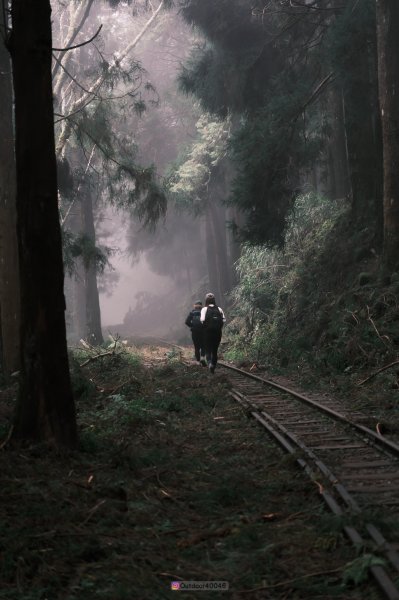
[{"x": 172, "y": 482}]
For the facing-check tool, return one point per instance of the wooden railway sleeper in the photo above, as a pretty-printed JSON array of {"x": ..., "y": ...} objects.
[{"x": 379, "y": 573}]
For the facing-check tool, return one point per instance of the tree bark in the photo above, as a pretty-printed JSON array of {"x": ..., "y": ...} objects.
[
  {"x": 210, "y": 254},
  {"x": 363, "y": 134},
  {"x": 223, "y": 268},
  {"x": 236, "y": 219},
  {"x": 388, "y": 85},
  {"x": 74, "y": 285},
  {"x": 219, "y": 270},
  {"x": 93, "y": 314},
  {"x": 79, "y": 299},
  {"x": 339, "y": 169},
  {"x": 9, "y": 280},
  {"x": 45, "y": 409}
]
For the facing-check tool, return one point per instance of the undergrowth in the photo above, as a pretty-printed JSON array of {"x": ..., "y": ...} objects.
[
  {"x": 321, "y": 304},
  {"x": 171, "y": 482}
]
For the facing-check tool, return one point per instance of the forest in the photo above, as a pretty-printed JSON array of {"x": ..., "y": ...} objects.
[{"x": 151, "y": 152}]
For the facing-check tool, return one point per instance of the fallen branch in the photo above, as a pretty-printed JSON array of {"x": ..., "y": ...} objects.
[
  {"x": 5, "y": 442},
  {"x": 89, "y": 360},
  {"x": 86, "y": 344},
  {"x": 392, "y": 364},
  {"x": 92, "y": 511},
  {"x": 130, "y": 380},
  {"x": 171, "y": 532},
  {"x": 375, "y": 328},
  {"x": 290, "y": 581}
]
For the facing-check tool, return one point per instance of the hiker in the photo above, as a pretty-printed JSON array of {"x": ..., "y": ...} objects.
[
  {"x": 197, "y": 332},
  {"x": 213, "y": 319}
]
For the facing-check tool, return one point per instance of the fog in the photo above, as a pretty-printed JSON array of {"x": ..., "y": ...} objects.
[
  {"x": 138, "y": 123},
  {"x": 139, "y": 300},
  {"x": 133, "y": 279}
]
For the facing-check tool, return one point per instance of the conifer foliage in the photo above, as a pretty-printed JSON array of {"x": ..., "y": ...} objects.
[{"x": 300, "y": 80}]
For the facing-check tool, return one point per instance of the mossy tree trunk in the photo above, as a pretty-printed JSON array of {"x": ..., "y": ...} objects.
[
  {"x": 45, "y": 409},
  {"x": 388, "y": 83}
]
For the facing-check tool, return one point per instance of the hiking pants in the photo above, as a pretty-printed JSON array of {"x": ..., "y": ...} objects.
[
  {"x": 198, "y": 341},
  {"x": 212, "y": 341}
]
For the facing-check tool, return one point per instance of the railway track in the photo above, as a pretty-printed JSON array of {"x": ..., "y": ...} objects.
[{"x": 355, "y": 468}]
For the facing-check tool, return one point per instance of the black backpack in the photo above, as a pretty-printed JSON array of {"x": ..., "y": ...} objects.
[{"x": 213, "y": 319}]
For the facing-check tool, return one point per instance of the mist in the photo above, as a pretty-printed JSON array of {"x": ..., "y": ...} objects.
[
  {"x": 137, "y": 304},
  {"x": 144, "y": 172},
  {"x": 133, "y": 280}
]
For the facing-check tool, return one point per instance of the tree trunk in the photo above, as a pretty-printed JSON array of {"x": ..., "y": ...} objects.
[
  {"x": 223, "y": 269},
  {"x": 45, "y": 409},
  {"x": 93, "y": 315},
  {"x": 210, "y": 254},
  {"x": 235, "y": 219},
  {"x": 75, "y": 296},
  {"x": 363, "y": 133},
  {"x": 388, "y": 84},
  {"x": 216, "y": 251},
  {"x": 9, "y": 281},
  {"x": 338, "y": 151},
  {"x": 79, "y": 299},
  {"x": 187, "y": 263}
]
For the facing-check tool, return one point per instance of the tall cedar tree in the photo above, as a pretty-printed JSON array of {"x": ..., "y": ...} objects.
[
  {"x": 388, "y": 80},
  {"x": 45, "y": 409}
]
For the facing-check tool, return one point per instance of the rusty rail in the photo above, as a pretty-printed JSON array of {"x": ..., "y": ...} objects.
[{"x": 358, "y": 468}]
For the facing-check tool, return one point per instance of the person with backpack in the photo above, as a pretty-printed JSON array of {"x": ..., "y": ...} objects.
[
  {"x": 213, "y": 319},
  {"x": 197, "y": 332}
]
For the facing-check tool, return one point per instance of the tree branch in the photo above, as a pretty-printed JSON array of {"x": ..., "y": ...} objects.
[
  {"x": 89, "y": 360},
  {"x": 79, "y": 45},
  {"x": 63, "y": 220},
  {"x": 330, "y": 77},
  {"x": 141, "y": 33},
  {"x": 80, "y": 102},
  {"x": 392, "y": 364},
  {"x": 86, "y": 91},
  {"x": 74, "y": 33}
]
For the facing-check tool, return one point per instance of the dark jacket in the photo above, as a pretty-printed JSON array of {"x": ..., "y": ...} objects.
[{"x": 193, "y": 320}]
